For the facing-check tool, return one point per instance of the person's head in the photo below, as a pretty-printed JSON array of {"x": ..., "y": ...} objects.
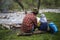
[
  {"x": 35, "y": 11},
  {"x": 42, "y": 15}
]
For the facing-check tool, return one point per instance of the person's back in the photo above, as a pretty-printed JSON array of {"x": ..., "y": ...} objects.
[
  {"x": 28, "y": 22},
  {"x": 43, "y": 18}
]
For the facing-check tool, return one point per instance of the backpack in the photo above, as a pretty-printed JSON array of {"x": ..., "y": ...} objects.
[{"x": 53, "y": 27}]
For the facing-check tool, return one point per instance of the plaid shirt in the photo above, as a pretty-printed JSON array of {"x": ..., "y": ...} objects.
[{"x": 28, "y": 22}]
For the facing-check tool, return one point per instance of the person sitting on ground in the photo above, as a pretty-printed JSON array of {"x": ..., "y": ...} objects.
[
  {"x": 29, "y": 22},
  {"x": 43, "y": 21}
]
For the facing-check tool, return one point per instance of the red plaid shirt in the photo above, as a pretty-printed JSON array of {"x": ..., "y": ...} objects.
[{"x": 28, "y": 22}]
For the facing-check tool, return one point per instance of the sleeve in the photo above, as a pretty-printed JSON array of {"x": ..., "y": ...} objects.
[{"x": 35, "y": 21}]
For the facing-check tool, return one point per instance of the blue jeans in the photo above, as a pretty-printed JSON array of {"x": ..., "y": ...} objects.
[{"x": 43, "y": 27}]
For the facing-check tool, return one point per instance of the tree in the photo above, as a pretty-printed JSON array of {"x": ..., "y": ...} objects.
[
  {"x": 5, "y": 5},
  {"x": 19, "y": 2}
]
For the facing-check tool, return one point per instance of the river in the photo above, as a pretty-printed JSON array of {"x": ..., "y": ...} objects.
[{"x": 17, "y": 17}]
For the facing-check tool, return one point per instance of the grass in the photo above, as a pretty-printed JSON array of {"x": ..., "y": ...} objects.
[{"x": 11, "y": 35}]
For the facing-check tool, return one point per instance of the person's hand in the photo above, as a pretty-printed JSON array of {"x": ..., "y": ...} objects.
[{"x": 38, "y": 24}]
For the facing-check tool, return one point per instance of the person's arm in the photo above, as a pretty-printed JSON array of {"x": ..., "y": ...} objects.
[{"x": 35, "y": 22}]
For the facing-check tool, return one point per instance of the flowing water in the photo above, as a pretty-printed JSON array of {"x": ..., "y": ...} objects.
[{"x": 17, "y": 17}]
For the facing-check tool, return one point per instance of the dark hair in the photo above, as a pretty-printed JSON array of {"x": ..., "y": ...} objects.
[{"x": 35, "y": 13}]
